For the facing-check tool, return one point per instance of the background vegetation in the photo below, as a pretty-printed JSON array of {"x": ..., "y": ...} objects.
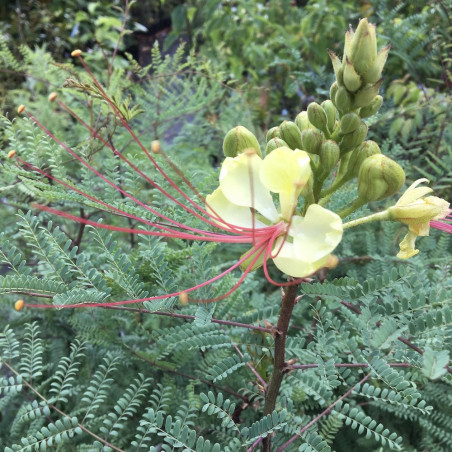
[{"x": 162, "y": 376}]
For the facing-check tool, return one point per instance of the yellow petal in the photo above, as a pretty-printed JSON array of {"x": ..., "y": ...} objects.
[
  {"x": 290, "y": 263},
  {"x": 407, "y": 248},
  {"x": 286, "y": 172},
  {"x": 241, "y": 184},
  {"x": 218, "y": 205},
  {"x": 316, "y": 234},
  {"x": 406, "y": 198}
]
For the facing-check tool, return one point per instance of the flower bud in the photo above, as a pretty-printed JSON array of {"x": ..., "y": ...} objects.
[
  {"x": 372, "y": 108},
  {"x": 366, "y": 94},
  {"x": 275, "y": 143},
  {"x": 333, "y": 91},
  {"x": 330, "y": 111},
  {"x": 312, "y": 140},
  {"x": 374, "y": 72},
  {"x": 350, "y": 122},
  {"x": 337, "y": 66},
  {"x": 343, "y": 100},
  {"x": 353, "y": 139},
  {"x": 302, "y": 121},
  {"x": 317, "y": 116},
  {"x": 358, "y": 156},
  {"x": 363, "y": 47},
  {"x": 272, "y": 133},
  {"x": 379, "y": 177},
  {"x": 329, "y": 155},
  {"x": 237, "y": 140},
  {"x": 352, "y": 80},
  {"x": 290, "y": 133},
  {"x": 19, "y": 305}
]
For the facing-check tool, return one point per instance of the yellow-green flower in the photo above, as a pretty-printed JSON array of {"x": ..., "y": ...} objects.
[
  {"x": 416, "y": 210},
  {"x": 244, "y": 200}
]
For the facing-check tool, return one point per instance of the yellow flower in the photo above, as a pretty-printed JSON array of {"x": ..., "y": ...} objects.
[
  {"x": 246, "y": 182},
  {"x": 416, "y": 211}
]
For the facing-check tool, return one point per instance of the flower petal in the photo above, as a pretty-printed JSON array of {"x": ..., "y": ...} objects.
[
  {"x": 241, "y": 184},
  {"x": 412, "y": 193},
  {"x": 407, "y": 248},
  {"x": 218, "y": 204},
  {"x": 316, "y": 234},
  {"x": 290, "y": 263}
]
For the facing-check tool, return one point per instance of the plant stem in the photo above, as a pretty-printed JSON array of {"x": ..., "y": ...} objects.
[{"x": 287, "y": 305}]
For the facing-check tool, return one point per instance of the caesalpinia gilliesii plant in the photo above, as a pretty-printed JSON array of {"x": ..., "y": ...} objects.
[{"x": 277, "y": 203}]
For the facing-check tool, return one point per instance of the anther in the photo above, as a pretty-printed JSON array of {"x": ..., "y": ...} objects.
[
  {"x": 76, "y": 53},
  {"x": 19, "y": 305},
  {"x": 183, "y": 298},
  {"x": 11, "y": 153},
  {"x": 52, "y": 97},
  {"x": 155, "y": 146},
  {"x": 20, "y": 109}
]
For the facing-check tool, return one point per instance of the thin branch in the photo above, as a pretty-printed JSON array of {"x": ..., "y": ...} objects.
[{"x": 314, "y": 366}]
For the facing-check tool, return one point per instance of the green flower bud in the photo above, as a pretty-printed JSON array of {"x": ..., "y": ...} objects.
[
  {"x": 290, "y": 133},
  {"x": 333, "y": 91},
  {"x": 275, "y": 143},
  {"x": 348, "y": 43},
  {"x": 337, "y": 66},
  {"x": 350, "y": 122},
  {"x": 239, "y": 139},
  {"x": 302, "y": 121},
  {"x": 358, "y": 156},
  {"x": 312, "y": 140},
  {"x": 364, "y": 47},
  {"x": 374, "y": 72},
  {"x": 317, "y": 116},
  {"x": 378, "y": 178},
  {"x": 352, "y": 80},
  {"x": 329, "y": 155},
  {"x": 353, "y": 139},
  {"x": 330, "y": 111},
  {"x": 372, "y": 108},
  {"x": 366, "y": 94},
  {"x": 343, "y": 100},
  {"x": 272, "y": 133}
]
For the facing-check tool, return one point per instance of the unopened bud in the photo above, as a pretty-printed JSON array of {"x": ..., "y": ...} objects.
[
  {"x": 364, "y": 46},
  {"x": 352, "y": 80},
  {"x": 317, "y": 116},
  {"x": 272, "y": 133},
  {"x": 183, "y": 298},
  {"x": 337, "y": 66},
  {"x": 343, "y": 100},
  {"x": 302, "y": 121},
  {"x": 275, "y": 143},
  {"x": 372, "y": 108},
  {"x": 379, "y": 177},
  {"x": 52, "y": 97},
  {"x": 333, "y": 91},
  {"x": 155, "y": 146},
  {"x": 355, "y": 138},
  {"x": 20, "y": 109},
  {"x": 358, "y": 156},
  {"x": 290, "y": 133},
  {"x": 312, "y": 140},
  {"x": 11, "y": 153},
  {"x": 366, "y": 94},
  {"x": 374, "y": 72},
  {"x": 330, "y": 111},
  {"x": 76, "y": 53},
  {"x": 237, "y": 140},
  {"x": 19, "y": 305},
  {"x": 329, "y": 155},
  {"x": 350, "y": 122}
]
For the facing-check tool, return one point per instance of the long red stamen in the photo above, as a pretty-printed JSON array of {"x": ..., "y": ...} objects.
[{"x": 443, "y": 225}]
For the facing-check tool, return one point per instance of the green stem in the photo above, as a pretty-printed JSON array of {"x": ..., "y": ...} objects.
[
  {"x": 379, "y": 216},
  {"x": 356, "y": 204}
]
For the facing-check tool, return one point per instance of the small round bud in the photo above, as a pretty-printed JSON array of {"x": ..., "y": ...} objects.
[
  {"x": 350, "y": 122},
  {"x": 275, "y": 143},
  {"x": 11, "y": 153},
  {"x": 329, "y": 155},
  {"x": 53, "y": 96},
  {"x": 272, "y": 133},
  {"x": 353, "y": 139},
  {"x": 330, "y": 111},
  {"x": 372, "y": 108},
  {"x": 239, "y": 139},
  {"x": 183, "y": 298},
  {"x": 76, "y": 53},
  {"x": 379, "y": 177},
  {"x": 317, "y": 116},
  {"x": 302, "y": 121},
  {"x": 290, "y": 133},
  {"x": 20, "y": 109},
  {"x": 312, "y": 140},
  {"x": 343, "y": 100},
  {"x": 333, "y": 91},
  {"x": 19, "y": 305},
  {"x": 358, "y": 156},
  {"x": 155, "y": 146}
]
